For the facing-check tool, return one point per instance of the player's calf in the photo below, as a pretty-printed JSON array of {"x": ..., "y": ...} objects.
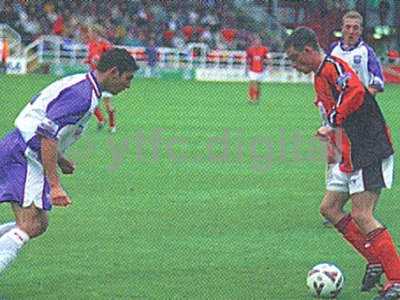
[{"x": 10, "y": 244}]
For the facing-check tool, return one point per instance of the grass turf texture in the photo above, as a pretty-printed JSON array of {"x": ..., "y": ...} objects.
[{"x": 191, "y": 221}]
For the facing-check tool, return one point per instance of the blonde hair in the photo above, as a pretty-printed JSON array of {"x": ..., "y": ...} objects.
[{"x": 353, "y": 15}]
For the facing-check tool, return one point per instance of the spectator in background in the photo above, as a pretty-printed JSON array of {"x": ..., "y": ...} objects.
[
  {"x": 172, "y": 24},
  {"x": 151, "y": 53},
  {"x": 207, "y": 37},
  {"x": 228, "y": 36}
]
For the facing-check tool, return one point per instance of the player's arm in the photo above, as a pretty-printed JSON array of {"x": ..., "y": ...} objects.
[
  {"x": 49, "y": 160},
  {"x": 350, "y": 94},
  {"x": 267, "y": 59},
  {"x": 68, "y": 108},
  {"x": 248, "y": 60},
  {"x": 376, "y": 82},
  {"x": 67, "y": 166}
]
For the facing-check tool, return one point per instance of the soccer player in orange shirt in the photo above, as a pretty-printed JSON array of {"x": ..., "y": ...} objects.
[
  {"x": 97, "y": 45},
  {"x": 355, "y": 124},
  {"x": 256, "y": 57}
]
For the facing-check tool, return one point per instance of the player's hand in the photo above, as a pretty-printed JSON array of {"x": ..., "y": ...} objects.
[
  {"x": 66, "y": 166},
  {"x": 323, "y": 133},
  {"x": 373, "y": 91},
  {"x": 59, "y": 197}
]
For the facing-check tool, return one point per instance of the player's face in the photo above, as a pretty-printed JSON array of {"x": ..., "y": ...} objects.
[
  {"x": 118, "y": 82},
  {"x": 256, "y": 42},
  {"x": 351, "y": 30},
  {"x": 301, "y": 60}
]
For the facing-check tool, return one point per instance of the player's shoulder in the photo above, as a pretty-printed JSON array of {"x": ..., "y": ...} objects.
[
  {"x": 78, "y": 85},
  {"x": 333, "y": 46},
  {"x": 70, "y": 94},
  {"x": 368, "y": 48},
  {"x": 334, "y": 65},
  {"x": 63, "y": 83}
]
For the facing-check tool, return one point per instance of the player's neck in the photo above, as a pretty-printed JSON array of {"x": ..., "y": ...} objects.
[
  {"x": 318, "y": 61},
  {"x": 99, "y": 77},
  {"x": 349, "y": 45}
]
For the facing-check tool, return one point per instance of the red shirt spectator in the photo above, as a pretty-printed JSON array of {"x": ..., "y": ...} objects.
[
  {"x": 187, "y": 32},
  {"x": 168, "y": 35},
  {"x": 229, "y": 34},
  {"x": 58, "y": 26}
]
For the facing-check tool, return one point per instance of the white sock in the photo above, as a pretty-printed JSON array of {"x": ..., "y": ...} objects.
[
  {"x": 10, "y": 244},
  {"x": 6, "y": 227}
]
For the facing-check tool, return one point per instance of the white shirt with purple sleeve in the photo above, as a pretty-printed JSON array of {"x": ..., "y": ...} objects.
[
  {"x": 363, "y": 61},
  {"x": 61, "y": 112}
]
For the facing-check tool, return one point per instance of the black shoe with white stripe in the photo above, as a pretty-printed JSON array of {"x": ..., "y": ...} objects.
[
  {"x": 372, "y": 277},
  {"x": 392, "y": 292}
]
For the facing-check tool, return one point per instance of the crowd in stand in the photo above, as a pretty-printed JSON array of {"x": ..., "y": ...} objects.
[{"x": 170, "y": 23}]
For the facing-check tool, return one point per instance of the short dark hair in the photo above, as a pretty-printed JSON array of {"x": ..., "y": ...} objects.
[
  {"x": 302, "y": 37},
  {"x": 119, "y": 58}
]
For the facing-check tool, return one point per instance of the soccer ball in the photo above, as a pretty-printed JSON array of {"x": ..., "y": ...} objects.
[{"x": 325, "y": 281}]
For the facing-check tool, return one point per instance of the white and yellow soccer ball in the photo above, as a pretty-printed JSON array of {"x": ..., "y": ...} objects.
[{"x": 325, "y": 281}]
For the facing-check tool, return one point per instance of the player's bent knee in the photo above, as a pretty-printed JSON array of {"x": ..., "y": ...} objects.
[
  {"x": 361, "y": 218},
  {"x": 326, "y": 209},
  {"x": 34, "y": 228},
  {"x": 323, "y": 210},
  {"x": 329, "y": 211}
]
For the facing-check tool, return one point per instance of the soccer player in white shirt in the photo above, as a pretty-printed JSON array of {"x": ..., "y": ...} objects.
[
  {"x": 31, "y": 152},
  {"x": 360, "y": 56}
]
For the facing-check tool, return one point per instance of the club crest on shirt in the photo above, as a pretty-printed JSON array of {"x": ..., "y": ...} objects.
[{"x": 357, "y": 59}]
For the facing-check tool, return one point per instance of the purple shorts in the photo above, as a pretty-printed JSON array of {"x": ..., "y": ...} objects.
[{"x": 22, "y": 178}]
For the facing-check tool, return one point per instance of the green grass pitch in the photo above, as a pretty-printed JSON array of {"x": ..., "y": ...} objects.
[{"x": 225, "y": 206}]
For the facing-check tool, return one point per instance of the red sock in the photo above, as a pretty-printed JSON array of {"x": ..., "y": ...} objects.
[
  {"x": 258, "y": 93},
  {"x": 111, "y": 118},
  {"x": 380, "y": 243},
  {"x": 252, "y": 92},
  {"x": 99, "y": 115},
  {"x": 354, "y": 236}
]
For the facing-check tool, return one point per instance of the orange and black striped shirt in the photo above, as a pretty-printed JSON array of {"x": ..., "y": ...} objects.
[{"x": 362, "y": 134}]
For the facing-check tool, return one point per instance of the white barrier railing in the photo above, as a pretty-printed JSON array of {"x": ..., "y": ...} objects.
[{"x": 55, "y": 50}]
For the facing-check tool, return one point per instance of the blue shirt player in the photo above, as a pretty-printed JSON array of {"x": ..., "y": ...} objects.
[
  {"x": 361, "y": 57},
  {"x": 151, "y": 53},
  {"x": 29, "y": 154}
]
